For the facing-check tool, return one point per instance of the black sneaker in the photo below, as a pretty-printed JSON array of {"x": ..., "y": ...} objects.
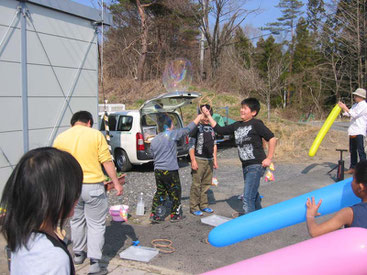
[
  {"x": 176, "y": 218},
  {"x": 154, "y": 218}
]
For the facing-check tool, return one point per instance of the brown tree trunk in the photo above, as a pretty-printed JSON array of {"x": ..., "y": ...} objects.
[
  {"x": 144, "y": 41},
  {"x": 359, "y": 52},
  {"x": 290, "y": 64}
]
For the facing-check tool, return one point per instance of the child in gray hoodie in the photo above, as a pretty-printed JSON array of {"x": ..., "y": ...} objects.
[{"x": 164, "y": 151}]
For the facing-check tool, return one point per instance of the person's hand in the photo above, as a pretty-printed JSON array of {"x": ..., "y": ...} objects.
[
  {"x": 312, "y": 208},
  {"x": 205, "y": 111},
  {"x": 119, "y": 188},
  {"x": 198, "y": 119},
  {"x": 266, "y": 162},
  {"x": 194, "y": 165},
  {"x": 342, "y": 105},
  {"x": 215, "y": 165}
]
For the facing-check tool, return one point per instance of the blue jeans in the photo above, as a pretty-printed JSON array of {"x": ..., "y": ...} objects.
[
  {"x": 251, "y": 197},
  {"x": 356, "y": 148}
]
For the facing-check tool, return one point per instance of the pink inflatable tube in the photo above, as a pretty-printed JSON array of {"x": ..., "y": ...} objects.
[{"x": 340, "y": 252}]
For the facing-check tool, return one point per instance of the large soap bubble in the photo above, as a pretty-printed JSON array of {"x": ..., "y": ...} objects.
[{"x": 177, "y": 75}]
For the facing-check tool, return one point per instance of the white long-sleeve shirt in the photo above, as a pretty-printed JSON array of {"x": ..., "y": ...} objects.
[{"x": 358, "y": 119}]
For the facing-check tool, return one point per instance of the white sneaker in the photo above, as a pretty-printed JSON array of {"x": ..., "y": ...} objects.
[
  {"x": 96, "y": 269},
  {"x": 79, "y": 257}
]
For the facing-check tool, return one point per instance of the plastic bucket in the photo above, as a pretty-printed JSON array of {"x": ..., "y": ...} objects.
[{"x": 115, "y": 213}]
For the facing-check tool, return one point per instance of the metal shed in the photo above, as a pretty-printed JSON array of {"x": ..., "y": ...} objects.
[{"x": 48, "y": 71}]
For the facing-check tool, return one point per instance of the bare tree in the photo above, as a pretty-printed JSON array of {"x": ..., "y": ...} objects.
[
  {"x": 273, "y": 84},
  {"x": 144, "y": 38},
  {"x": 346, "y": 43},
  {"x": 227, "y": 16}
]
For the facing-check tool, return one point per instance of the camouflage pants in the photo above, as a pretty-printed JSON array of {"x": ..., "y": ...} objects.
[{"x": 168, "y": 184}]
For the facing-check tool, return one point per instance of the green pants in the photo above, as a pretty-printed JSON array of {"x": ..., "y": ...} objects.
[{"x": 201, "y": 182}]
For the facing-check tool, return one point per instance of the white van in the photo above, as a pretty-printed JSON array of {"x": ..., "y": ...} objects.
[{"x": 132, "y": 130}]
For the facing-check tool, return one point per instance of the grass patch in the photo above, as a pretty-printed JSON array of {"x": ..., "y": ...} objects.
[{"x": 294, "y": 141}]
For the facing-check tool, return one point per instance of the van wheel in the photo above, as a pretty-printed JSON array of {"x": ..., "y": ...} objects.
[{"x": 123, "y": 163}]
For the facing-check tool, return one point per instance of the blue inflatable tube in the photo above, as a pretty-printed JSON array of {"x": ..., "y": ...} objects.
[{"x": 334, "y": 197}]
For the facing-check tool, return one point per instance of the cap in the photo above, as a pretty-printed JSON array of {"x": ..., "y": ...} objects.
[{"x": 360, "y": 92}]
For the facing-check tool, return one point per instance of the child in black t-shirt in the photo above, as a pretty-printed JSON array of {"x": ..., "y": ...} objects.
[
  {"x": 248, "y": 135},
  {"x": 203, "y": 155}
]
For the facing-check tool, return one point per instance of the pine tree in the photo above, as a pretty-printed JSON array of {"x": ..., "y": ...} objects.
[
  {"x": 243, "y": 47},
  {"x": 291, "y": 10},
  {"x": 315, "y": 13},
  {"x": 271, "y": 67},
  {"x": 306, "y": 72}
]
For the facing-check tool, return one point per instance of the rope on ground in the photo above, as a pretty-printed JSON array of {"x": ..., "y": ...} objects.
[{"x": 164, "y": 243}]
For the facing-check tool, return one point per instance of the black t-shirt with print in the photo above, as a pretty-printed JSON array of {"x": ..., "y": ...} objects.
[
  {"x": 248, "y": 137},
  {"x": 204, "y": 140}
]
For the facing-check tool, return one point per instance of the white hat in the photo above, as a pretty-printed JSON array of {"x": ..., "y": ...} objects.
[{"x": 360, "y": 92}]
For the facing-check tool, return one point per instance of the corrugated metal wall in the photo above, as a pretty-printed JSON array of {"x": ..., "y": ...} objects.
[{"x": 61, "y": 62}]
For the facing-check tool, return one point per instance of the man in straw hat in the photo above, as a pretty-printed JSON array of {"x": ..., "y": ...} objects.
[{"x": 357, "y": 128}]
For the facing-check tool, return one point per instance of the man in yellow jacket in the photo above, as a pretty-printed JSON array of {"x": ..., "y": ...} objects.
[{"x": 88, "y": 223}]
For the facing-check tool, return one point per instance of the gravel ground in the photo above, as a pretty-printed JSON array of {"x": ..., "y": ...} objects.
[
  {"x": 141, "y": 180},
  {"x": 193, "y": 255}
]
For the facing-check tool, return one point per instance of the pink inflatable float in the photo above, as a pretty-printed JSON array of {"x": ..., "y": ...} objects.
[{"x": 340, "y": 252}]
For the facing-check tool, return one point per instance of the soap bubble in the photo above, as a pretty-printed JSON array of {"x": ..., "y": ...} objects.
[{"x": 177, "y": 75}]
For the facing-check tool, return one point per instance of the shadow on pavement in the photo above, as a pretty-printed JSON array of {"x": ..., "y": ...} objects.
[
  {"x": 211, "y": 197},
  {"x": 332, "y": 166},
  {"x": 117, "y": 234},
  {"x": 313, "y": 165},
  {"x": 235, "y": 203}
]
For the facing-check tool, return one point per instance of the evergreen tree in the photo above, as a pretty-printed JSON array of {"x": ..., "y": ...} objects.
[
  {"x": 243, "y": 47},
  {"x": 306, "y": 68},
  {"x": 267, "y": 53},
  {"x": 291, "y": 10},
  {"x": 315, "y": 13},
  {"x": 304, "y": 56},
  {"x": 271, "y": 67}
]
